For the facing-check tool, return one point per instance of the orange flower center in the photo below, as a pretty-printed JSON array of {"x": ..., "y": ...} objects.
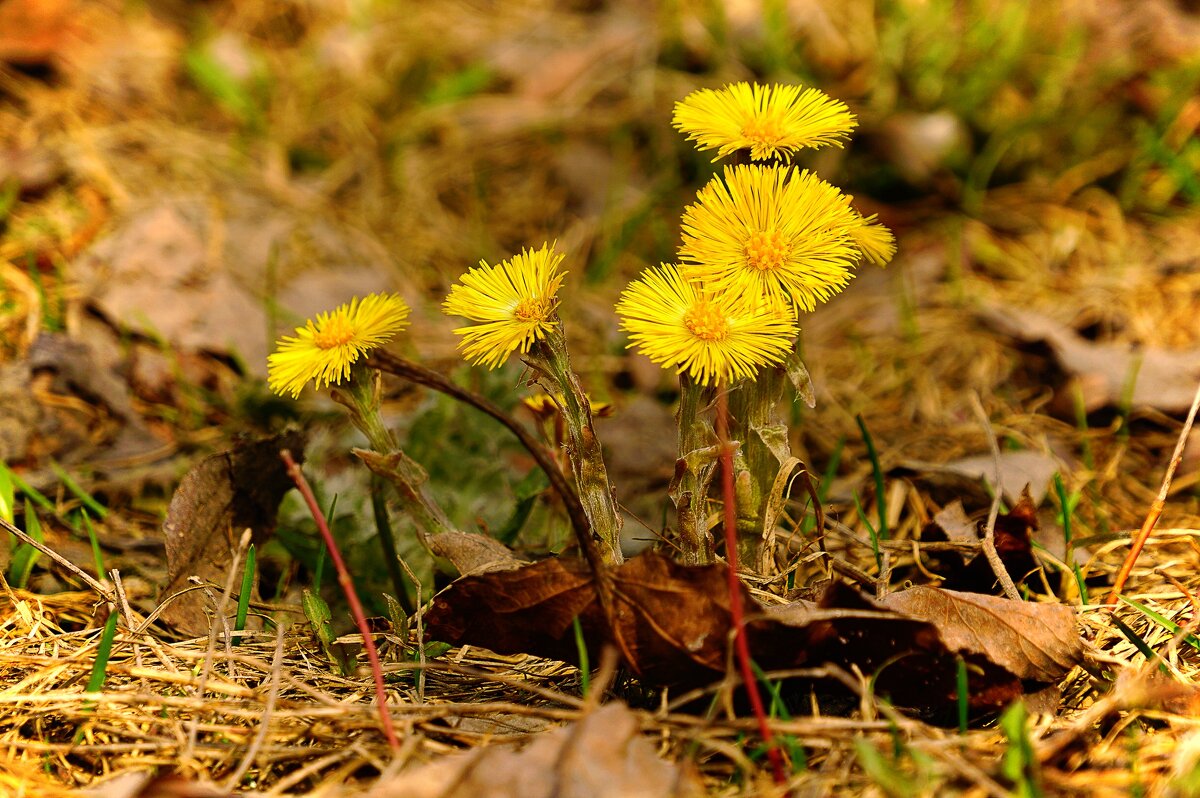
[
  {"x": 766, "y": 252},
  {"x": 530, "y": 310},
  {"x": 764, "y": 132},
  {"x": 334, "y": 332},
  {"x": 706, "y": 322}
]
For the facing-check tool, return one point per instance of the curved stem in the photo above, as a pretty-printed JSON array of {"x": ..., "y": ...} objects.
[{"x": 406, "y": 369}]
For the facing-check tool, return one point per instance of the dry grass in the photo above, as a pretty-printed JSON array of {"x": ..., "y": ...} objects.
[{"x": 569, "y": 139}]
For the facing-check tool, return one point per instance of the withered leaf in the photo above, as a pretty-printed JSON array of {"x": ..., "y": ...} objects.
[
  {"x": 1019, "y": 471},
  {"x": 602, "y": 754},
  {"x": 1013, "y": 536},
  {"x": 526, "y": 610},
  {"x": 472, "y": 553},
  {"x": 1035, "y": 642},
  {"x": 1166, "y": 379},
  {"x": 222, "y": 495}
]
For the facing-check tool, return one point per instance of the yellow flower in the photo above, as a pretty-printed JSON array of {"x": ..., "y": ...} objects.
[
  {"x": 714, "y": 339},
  {"x": 545, "y": 406},
  {"x": 324, "y": 350},
  {"x": 766, "y": 231},
  {"x": 874, "y": 241},
  {"x": 514, "y": 300},
  {"x": 770, "y": 121}
]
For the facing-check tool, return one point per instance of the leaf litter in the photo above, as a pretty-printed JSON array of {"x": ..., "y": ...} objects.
[{"x": 321, "y": 735}]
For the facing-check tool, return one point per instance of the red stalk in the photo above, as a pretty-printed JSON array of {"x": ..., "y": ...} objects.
[
  {"x": 356, "y": 608},
  {"x": 736, "y": 610}
]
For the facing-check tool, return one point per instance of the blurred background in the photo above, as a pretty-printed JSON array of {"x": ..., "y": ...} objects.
[{"x": 180, "y": 182}]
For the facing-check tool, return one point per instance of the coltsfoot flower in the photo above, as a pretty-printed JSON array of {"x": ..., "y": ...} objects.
[
  {"x": 874, "y": 241},
  {"x": 514, "y": 300},
  {"x": 765, "y": 231},
  {"x": 770, "y": 121},
  {"x": 324, "y": 350},
  {"x": 708, "y": 335}
]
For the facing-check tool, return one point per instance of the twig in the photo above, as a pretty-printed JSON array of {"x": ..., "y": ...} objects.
[
  {"x": 347, "y": 585},
  {"x": 413, "y": 372},
  {"x": 1156, "y": 508},
  {"x": 265, "y": 723},
  {"x": 736, "y": 610},
  {"x": 210, "y": 651},
  {"x": 87, "y": 578},
  {"x": 989, "y": 531}
]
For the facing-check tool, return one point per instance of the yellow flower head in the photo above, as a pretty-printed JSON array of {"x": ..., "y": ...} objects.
[
  {"x": 766, "y": 231},
  {"x": 874, "y": 241},
  {"x": 770, "y": 121},
  {"x": 514, "y": 300},
  {"x": 545, "y": 406},
  {"x": 714, "y": 339},
  {"x": 323, "y": 350}
]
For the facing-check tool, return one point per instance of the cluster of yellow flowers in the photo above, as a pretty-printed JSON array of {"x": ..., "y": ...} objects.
[{"x": 762, "y": 243}]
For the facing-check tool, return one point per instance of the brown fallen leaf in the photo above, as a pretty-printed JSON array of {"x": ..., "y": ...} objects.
[
  {"x": 1166, "y": 379},
  {"x": 602, "y": 755},
  {"x": 1018, "y": 471},
  {"x": 672, "y": 626},
  {"x": 221, "y": 495},
  {"x": 1013, "y": 537},
  {"x": 1034, "y": 642},
  {"x": 472, "y": 553}
]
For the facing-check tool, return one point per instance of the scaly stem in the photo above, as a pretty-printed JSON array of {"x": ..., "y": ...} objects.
[
  {"x": 347, "y": 585},
  {"x": 737, "y": 611},
  {"x": 360, "y": 397},
  {"x": 549, "y": 357},
  {"x": 414, "y": 372},
  {"x": 693, "y": 474},
  {"x": 754, "y": 416}
]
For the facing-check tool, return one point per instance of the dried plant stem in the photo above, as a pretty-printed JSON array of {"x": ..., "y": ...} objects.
[
  {"x": 107, "y": 593},
  {"x": 693, "y": 474},
  {"x": 550, "y": 359},
  {"x": 989, "y": 531},
  {"x": 413, "y": 372},
  {"x": 347, "y": 584},
  {"x": 1156, "y": 508},
  {"x": 736, "y": 610}
]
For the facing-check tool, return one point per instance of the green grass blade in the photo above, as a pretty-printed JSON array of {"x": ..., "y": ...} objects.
[
  {"x": 8, "y": 498},
  {"x": 98, "y": 509},
  {"x": 585, "y": 672},
  {"x": 97, "y": 554},
  {"x": 103, "y": 652},
  {"x": 243, "y": 607},
  {"x": 1163, "y": 621},
  {"x": 870, "y": 530},
  {"x": 1139, "y": 644},
  {"x": 24, "y": 556},
  {"x": 963, "y": 697},
  {"x": 880, "y": 496}
]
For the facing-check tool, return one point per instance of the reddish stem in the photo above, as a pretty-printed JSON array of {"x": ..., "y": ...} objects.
[
  {"x": 736, "y": 609},
  {"x": 356, "y": 608}
]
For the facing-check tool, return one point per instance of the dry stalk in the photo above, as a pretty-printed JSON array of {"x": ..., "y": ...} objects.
[
  {"x": 989, "y": 531},
  {"x": 347, "y": 585},
  {"x": 1156, "y": 508}
]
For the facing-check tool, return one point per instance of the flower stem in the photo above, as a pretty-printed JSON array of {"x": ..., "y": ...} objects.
[
  {"x": 394, "y": 364},
  {"x": 736, "y": 610},
  {"x": 347, "y": 585},
  {"x": 754, "y": 415},
  {"x": 549, "y": 357},
  {"x": 693, "y": 473},
  {"x": 360, "y": 397}
]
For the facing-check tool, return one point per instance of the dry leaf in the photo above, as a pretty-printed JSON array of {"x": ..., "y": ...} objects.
[
  {"x": 472, "y": 553},
  {"x": 1018, "y": 470},
  {"x": 1035, "y": 642},
  {"x": 602, "y": 755},
  {"x": 1166, "y": 379},
  {"x": 1013, "y": 537},
  {"x": 217, "y": 499}
]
